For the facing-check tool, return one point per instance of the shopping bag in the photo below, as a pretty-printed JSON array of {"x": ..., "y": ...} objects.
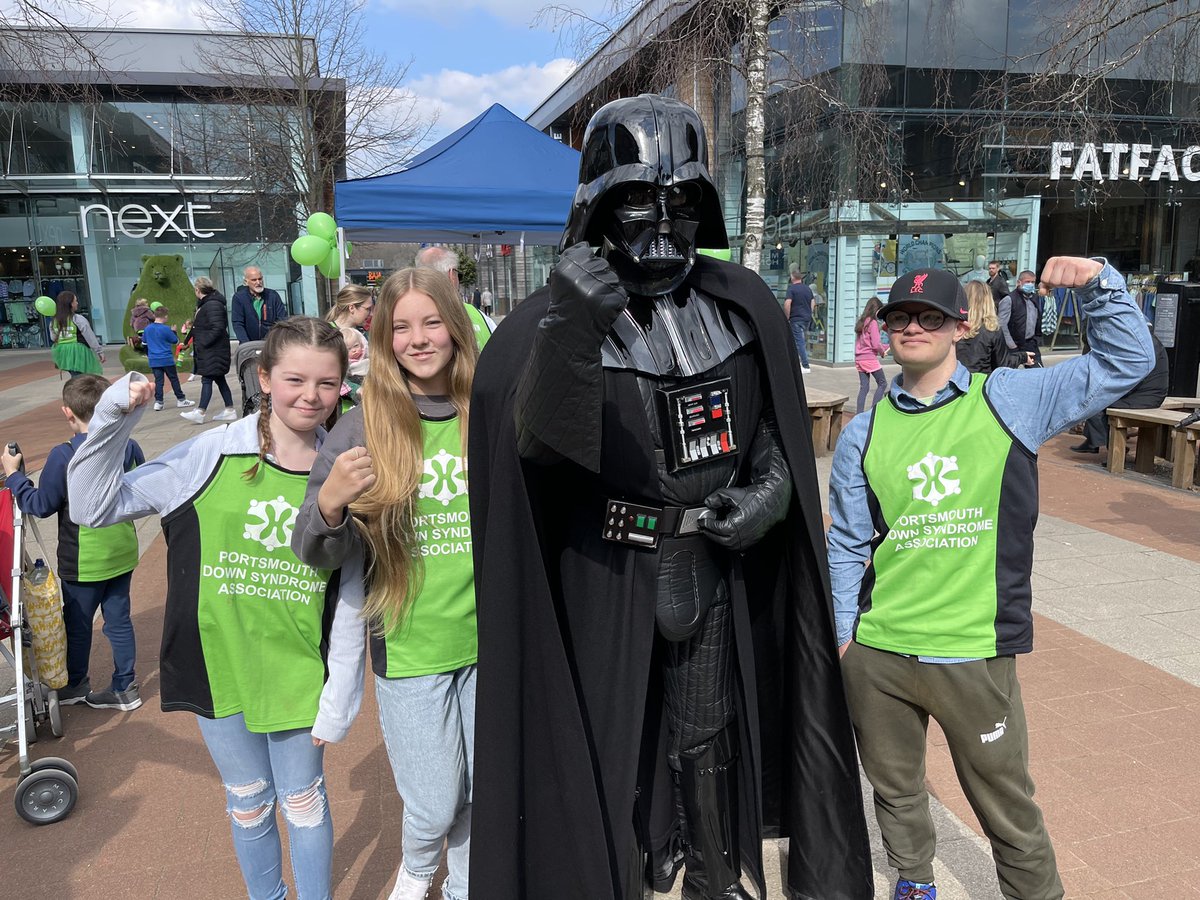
[
  {"x": 41, "y": 598},
  {"x": 1049, "y": 315}
]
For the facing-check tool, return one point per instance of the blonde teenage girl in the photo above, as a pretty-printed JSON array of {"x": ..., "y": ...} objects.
[
  {"x": 240, "y": 650},
  {"x": 351, "y": 307},
  {"x": 390, "y": 488}
]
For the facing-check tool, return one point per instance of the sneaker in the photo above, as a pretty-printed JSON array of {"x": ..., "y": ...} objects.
[
  {"x": 185, "y": 402},
  {"x": 1085, "y": 447},
  {"x": 410, "y": 886},
  {"x": 158, "y": 406},
  {"x": 806, "y": 369},
  {"x": 196, "y": 415},
  {"x": 71, "y": 695},
  {"x": 226, "y": 415},
  {"x": 126, "y": 700},
  {"x": 911, "y": 890}
]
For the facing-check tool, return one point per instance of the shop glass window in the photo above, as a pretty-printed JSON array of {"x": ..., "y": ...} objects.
[
  {"x": 874, "y": 33},
  {"x": 133, "y": 138},
  {"x": 215, "y": 139},
  {"x": 41, "y": 139},
  {"x": 956, "y": 34}
]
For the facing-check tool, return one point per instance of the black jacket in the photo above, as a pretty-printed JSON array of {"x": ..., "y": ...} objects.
[
  {"x": 249, "y": 325},
  {"x": 541, "y": 827},
  {"x": 210, "y": 336},
  {"x": 1018, "y": 323},
  {"x": 987, "y": 351}
]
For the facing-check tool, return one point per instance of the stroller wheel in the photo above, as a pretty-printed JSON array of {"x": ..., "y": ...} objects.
[
  {"x": 55, "y": 762},
  {"x": 46, "y": 796},
  {"x": 55, "y": 713}
]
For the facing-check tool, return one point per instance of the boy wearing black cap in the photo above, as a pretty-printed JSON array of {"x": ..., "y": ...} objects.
[{"x": 934, "y": 498}]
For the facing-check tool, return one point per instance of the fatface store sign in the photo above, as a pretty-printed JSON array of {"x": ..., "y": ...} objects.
[
  {"x": 137, "y": 221},
  {"x": 1123, "y": 162}
]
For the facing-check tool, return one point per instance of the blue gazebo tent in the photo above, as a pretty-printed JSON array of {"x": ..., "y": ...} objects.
[{"x": 495, "y": 180}]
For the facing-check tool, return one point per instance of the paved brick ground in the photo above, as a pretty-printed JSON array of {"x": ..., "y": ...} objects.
[{"x": 1113, "y": 733}]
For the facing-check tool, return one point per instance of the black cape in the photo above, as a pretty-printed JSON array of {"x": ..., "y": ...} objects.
[{"x": 565, "y": 648}]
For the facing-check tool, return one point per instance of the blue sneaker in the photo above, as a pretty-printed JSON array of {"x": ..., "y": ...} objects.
[{"x": 911, "y": 890}]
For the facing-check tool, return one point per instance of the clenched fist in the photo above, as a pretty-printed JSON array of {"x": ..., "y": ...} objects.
[
  {"x": 585, "y": 293},
  {"x": 1069, "y": 271},
  {"x": 352, "y": 475}
]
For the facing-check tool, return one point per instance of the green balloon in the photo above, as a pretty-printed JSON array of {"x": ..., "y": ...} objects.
[
  {"x": 322, "y": 225},
  {"x": 45, "y": 306},
  {"x": 349, "y": 249},
  {"x": 310, "y": 250},
  {"x": 331, "y": 267}
]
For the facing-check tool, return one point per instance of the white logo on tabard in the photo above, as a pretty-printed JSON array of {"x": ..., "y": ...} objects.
[
  {"x": 445, "y": 478},
  {"x": 275, "y": 520},
  {"x": 932, "y": 478},
  {"x": 1001, "y": 727}
]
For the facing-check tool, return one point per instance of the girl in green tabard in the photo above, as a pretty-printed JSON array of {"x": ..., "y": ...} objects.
[
  {"x": 76, "y": 348},
  {"x": 400, "y": 532},
  {"x": 246, "y": 622}
]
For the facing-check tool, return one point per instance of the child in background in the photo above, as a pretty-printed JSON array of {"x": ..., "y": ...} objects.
[
  {"x": 360, "y": 361},
  {"x": 868, "y": 351},
  {"x": 140, "y": 316},
  {"x": 95, "y": 565},
  {"x": 417, "y": 594},
  {"x": 66, "y": 330},
  {"x": 244, "y": 642},
  {"x": 160, "y": 350}
]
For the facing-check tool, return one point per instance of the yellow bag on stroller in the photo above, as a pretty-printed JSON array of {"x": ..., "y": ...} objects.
[{"x": 42, "y": 600}]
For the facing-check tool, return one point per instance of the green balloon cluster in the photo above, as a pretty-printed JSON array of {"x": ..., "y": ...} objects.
[
  {"x": 319, "y": 247},
  {"x": 45, "y": 306}
]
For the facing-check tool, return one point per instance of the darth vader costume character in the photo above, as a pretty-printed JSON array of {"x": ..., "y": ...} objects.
[{"x": 658, "y": 680}]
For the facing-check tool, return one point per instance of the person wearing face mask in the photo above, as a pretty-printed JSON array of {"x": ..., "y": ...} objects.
[{"x": 1025, "y": 319}]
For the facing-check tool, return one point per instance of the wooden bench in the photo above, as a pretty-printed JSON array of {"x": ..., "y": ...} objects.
[
  {"x": 825, "y": 408},
  {"x": 1154, "y": 426}
]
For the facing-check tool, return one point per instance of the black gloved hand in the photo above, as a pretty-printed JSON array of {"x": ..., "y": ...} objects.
[
  {"x": 739, "y": 517},
  {"x": 585, "y": 295}
]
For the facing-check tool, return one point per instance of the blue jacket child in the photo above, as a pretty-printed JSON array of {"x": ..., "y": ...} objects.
[{"x": 95, "y": 565}]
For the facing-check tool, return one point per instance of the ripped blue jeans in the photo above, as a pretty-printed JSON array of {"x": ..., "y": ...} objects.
[{"x": 261, "y": 771}]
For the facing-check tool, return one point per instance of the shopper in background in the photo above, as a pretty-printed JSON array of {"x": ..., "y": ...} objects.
[
  {"x": 984, "y": 349},
  {"x": 210, "y": 343},
  {"x": 868, "y": 351},
  {"x": 798, "y": 307},
  {"x": 255, "y": 308}
]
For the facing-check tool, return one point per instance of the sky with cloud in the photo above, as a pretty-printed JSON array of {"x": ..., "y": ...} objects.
[{"x": 465, "y": 55}]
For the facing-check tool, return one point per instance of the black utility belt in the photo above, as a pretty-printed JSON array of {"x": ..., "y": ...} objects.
[{"x": 641, "y": 526}]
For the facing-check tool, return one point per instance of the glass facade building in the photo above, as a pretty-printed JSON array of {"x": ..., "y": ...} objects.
[
  {"x": 154, "y": 166},
  {"x": 909, "y": 133}
]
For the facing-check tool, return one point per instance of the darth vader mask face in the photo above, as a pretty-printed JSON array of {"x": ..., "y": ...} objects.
[
  {"x": 645, "y": 196},
  {"x": 651, "y": 236}
]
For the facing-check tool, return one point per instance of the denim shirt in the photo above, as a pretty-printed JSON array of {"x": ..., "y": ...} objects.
[{"x": 1033, "y": 404}]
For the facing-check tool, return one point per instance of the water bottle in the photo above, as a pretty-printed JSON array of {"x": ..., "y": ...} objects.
[{"x": 40, "y": 573}]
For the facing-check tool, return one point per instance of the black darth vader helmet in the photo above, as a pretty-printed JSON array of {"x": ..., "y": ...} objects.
[{"x": 645, "y": 196}]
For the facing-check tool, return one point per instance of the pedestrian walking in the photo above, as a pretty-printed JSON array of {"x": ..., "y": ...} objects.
[
  {"x": 391, "y": 484},
  {"x": 210, "y": 347},
  {"x": 868, "y": 351},
  {"x": 246, "y": 622}
]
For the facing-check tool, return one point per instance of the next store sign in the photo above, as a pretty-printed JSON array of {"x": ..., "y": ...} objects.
[{"x": 137, "y": 221}]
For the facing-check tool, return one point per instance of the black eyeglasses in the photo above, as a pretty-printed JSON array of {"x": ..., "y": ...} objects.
[{"x": 929, "y": 319}]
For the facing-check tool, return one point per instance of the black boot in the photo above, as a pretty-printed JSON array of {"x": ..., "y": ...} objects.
[{"x": 708, "y": 781}]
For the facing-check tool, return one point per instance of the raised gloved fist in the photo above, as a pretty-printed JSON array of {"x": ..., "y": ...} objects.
[
  {"x": 585, "y": 292},
  {"x": 739, "y": 517}
]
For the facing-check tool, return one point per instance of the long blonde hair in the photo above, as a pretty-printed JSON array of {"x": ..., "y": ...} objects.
[
  {"x": 385, "y": 513},
  {"x": 981, "y": 308},
  {"x": 347, "y": 298}
]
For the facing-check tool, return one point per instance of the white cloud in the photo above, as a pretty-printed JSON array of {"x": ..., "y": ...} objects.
[
  {"x": 169, "y": 14},
  {"x": 519, "y": 12},
  {"x": 457, "y": 97}
]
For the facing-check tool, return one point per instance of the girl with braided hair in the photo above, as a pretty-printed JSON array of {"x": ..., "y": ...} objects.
[{"x": 246, "y": 622}]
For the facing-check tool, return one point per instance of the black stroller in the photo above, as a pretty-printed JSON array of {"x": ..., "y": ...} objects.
[{"x": 245, "y": 361}]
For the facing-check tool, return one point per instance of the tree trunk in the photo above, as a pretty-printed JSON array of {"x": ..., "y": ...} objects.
[{"x": 756, "y": 100}]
